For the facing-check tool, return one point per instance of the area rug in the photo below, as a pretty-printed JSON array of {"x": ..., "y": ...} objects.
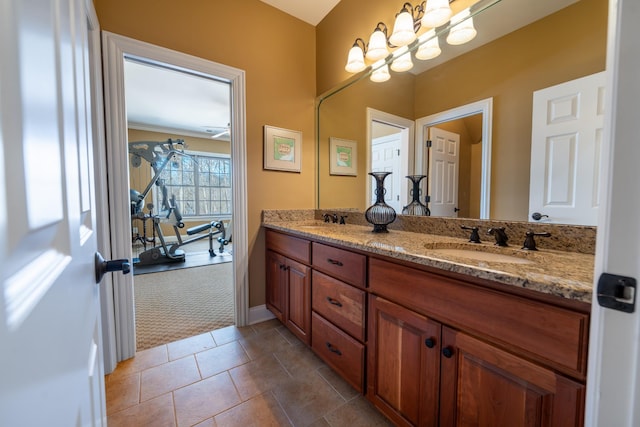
[{"x": 177, "y": 304}]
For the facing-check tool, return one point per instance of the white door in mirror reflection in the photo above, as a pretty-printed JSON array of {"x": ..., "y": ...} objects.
[
  {"x": 385, "y": 157},
  {"x": 566, "y": 144},
  {"x": 444, "y": 164}
]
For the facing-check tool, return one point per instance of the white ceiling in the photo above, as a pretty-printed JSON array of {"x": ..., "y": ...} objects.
[
  {"x": 175, "y": 102},
  {"x": 310, "y": 11}
]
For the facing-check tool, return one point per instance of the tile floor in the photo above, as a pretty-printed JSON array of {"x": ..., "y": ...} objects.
[{"x": 259, "y": 375}]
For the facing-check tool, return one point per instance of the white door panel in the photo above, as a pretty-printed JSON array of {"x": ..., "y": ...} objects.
[
  {"x": 444, "y": 165},
  {"x": 385, "y": 157},
  {"x": 565, "y": 151},
  {"x": 613, "y": 376},
  {"x": 50, "y": 364}
]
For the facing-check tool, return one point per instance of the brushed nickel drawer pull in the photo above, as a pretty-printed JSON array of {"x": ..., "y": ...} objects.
[
  {"x": 332, "y": 349},
  {"x": 334, "y": 302},
  {"x": 335, "y": 262}
]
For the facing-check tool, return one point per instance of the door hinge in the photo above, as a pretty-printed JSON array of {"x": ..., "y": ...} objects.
[
  {"x": 428, "y": 143},
  {"x": 617, "y": 292}
]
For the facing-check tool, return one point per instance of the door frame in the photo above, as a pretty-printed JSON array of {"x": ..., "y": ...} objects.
[
  {"x": 406, "y": 149},
  {"x": 115, "y": 48},
  {"x": 484, "y": 107}
]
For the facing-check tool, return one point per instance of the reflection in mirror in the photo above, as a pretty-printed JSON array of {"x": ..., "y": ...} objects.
[
  {"x": 458, "y": 161},
  {"x": 551, "y": 48}
]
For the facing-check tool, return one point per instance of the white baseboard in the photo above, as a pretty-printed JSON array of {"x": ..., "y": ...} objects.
[{"x": 259, "y": 313}]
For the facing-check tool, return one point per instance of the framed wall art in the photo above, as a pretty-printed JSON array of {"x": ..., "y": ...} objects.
[
  {"x": 282, "y": 149},
  {"x": 343, "y": 157}
]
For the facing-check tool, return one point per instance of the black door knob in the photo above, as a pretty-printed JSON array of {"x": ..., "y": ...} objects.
[
  {"x": 447, "y": 352},
  {"x": 430, "y": 342},
  {"x": 102, "y": 266}
]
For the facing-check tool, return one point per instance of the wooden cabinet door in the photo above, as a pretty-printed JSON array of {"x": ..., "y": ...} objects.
[
  {"x": 298, "y": 299},
  {"x": 403, "y": 363},
  {"x": 275, "y": 284},
  {"x": 484, "y": 386}
]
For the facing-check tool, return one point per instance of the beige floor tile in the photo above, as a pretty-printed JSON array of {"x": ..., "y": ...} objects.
[
  {"x": 298, "y": 360},
  {"x": 231, "y": 333},
  {"x": 258, "y": 376},
  {"x": 190, "y": 345},
  {"x": 122, "y": 392},
  {"x": 204, "y": 399},
  {"x": 261, "y": 411},
  {"x": 321, "y": 422},
  {"x": 144, "y": 359},
  {"x": 156, "y": 412},
  {"x": 264, "y": 343},
  {"x": 341, "y": 386},
  {"x": 207, "y": 423},
  {"x": 170, "y": 376},
  {"x": 221, "y": 358},
  {"x": 266, "y": 326},
  {"x": 358, "y": 412},
  {"x": 288, "y": 335},
  {"x": 306, "y": 400}
]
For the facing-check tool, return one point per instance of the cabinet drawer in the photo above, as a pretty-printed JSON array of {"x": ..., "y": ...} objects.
[
  {"x": 555, "y": 336},
  {"x": 342, "y": 264},
  {"x": 292, "y": 247},
  {"x": 344, "y": 354},
  {"x": 340, "y": 303}
]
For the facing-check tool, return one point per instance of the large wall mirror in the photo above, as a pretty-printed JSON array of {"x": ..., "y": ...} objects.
[{"x": 483, "y": 94}]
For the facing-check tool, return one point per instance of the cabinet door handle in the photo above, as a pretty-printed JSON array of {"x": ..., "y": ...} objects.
[
  {"x": 332, "y": 349},
  {"x": 334, "y": 302},
  {"x": 335, "y": 262},
  {"x": 447, "y": 352},
  {"x": 430, "y": 342}
]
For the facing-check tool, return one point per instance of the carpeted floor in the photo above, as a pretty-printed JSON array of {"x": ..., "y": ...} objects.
[{"x": 176, "y": 304}]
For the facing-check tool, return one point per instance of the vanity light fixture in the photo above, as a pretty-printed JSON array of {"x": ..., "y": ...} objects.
[
  {"x": 429, "y": 14},
  {"x": 377, "y": 47},
  {"x": 463, "y": 30},
  {"x": 430, "y": 48},
  {"x": 402, "y": 61},
  {"x": 381, "y": 73}
]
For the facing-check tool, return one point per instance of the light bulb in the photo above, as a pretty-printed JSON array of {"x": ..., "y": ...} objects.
[
  {"x": 462, "y": 30},
  {"x": 403, "y": 32},
  {"x": 437, "y": 13},
  {"x": 355, "y": 63},
  {"x": 377, "y": 46}
]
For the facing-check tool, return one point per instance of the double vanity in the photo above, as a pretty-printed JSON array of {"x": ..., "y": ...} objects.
[{"x": 436, "y": 330}]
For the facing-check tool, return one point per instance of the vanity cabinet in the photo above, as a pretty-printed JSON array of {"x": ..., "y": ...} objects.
[
  {"x": 288, "y": 282},
  {"x": 403, "y": 363},
  {"x": 428, "y": 347},
  {"x": 339, "y": 310},
  {"x": 443, "y": 352}
]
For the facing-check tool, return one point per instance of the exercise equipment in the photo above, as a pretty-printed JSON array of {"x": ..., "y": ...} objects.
[{"x": 159, "y": 155}]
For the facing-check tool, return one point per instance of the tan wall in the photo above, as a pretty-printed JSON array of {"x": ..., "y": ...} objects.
[
  {"x": 566, "y": 45},
  {"x": 277, "y": 53}
]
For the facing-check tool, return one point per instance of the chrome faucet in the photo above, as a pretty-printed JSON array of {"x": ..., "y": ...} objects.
[{"x": 500, "y": 235}]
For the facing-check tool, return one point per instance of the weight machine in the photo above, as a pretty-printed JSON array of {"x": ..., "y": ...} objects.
[{"x": 160, "y": 155}]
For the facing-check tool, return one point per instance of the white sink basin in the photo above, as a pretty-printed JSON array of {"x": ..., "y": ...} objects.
[{"x": 478, "y": 255}]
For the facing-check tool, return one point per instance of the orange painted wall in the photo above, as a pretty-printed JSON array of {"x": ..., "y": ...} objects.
[{"x": 278, "y": 55}]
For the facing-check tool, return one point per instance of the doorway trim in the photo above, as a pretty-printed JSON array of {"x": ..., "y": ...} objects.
[
  {"x": 408, "y": 128},
  {"x": 484, "y": 107},
  {"x": 115, "y": 48}
]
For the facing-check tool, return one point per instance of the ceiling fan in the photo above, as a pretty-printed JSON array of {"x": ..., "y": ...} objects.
[{"x": 219, "y": 131}]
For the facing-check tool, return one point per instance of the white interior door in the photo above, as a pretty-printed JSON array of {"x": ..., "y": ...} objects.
[
  {"x": 51, "y": 369},
  {"x": 385, "y": 157},
  {"x": 613, "y": 376},
  {"x": 444, "y": 167},
  {"x": 566, "y": 145}
]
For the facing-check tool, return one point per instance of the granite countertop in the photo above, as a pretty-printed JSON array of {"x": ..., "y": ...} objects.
[{"x": 564, "y": 274}]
